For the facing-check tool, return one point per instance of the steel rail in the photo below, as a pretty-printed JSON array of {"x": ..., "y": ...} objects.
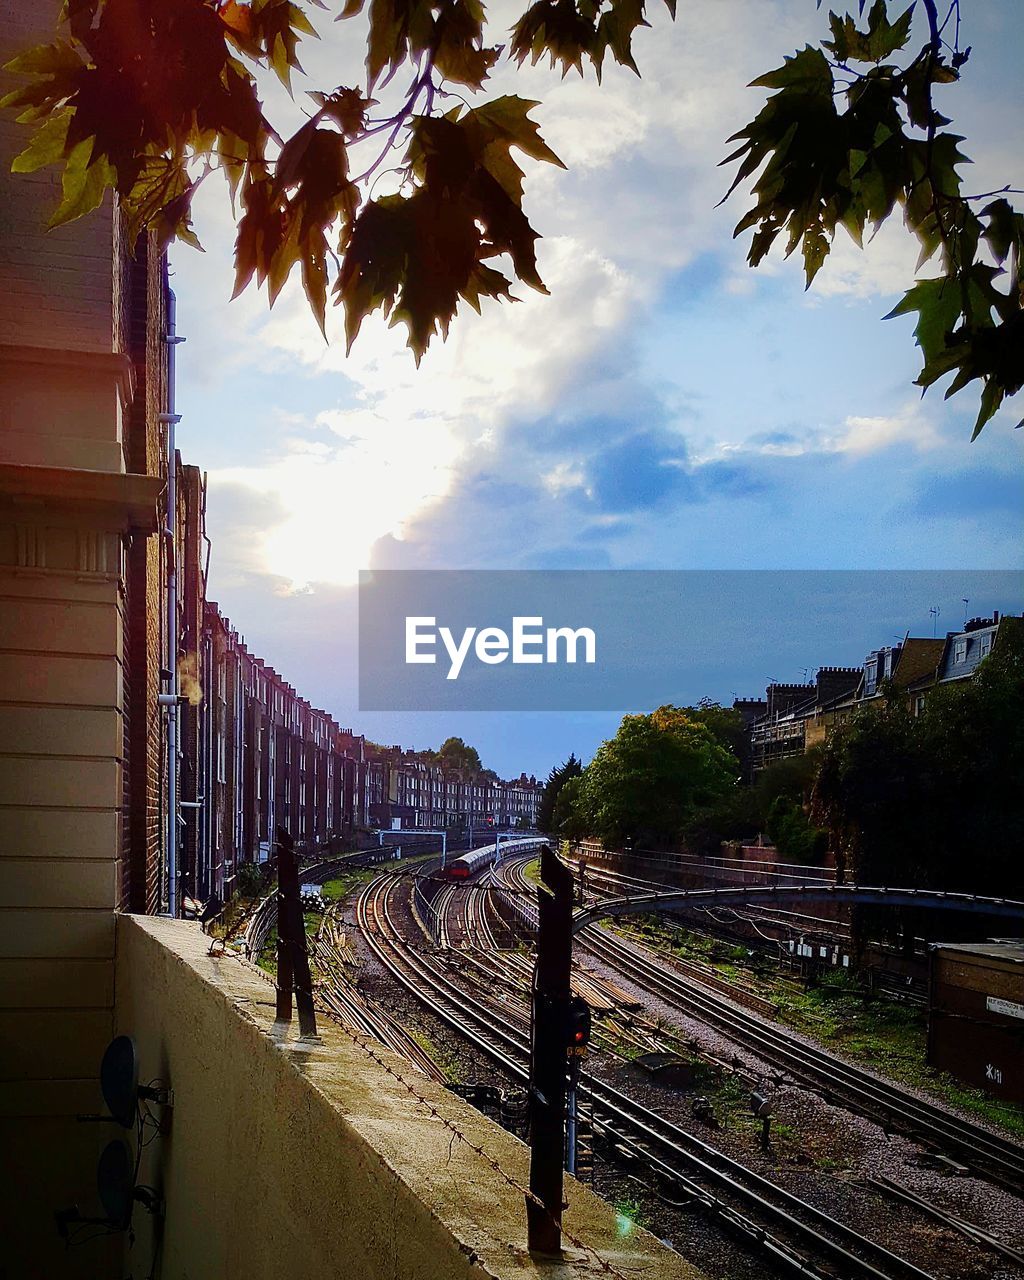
[
  {"x": 998, "y": 1159},
  {"x": 644, "y": 1129},
  {"x": 777, "y": 917},
  {"x": 843, "y": 894}
]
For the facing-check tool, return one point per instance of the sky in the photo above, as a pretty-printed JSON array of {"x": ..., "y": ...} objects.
[{"x": 665, "y": 407}]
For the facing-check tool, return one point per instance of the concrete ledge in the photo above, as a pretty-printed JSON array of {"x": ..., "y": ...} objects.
[{"x": 294, "y": 1160}]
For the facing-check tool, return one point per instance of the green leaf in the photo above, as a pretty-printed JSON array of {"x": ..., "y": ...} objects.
[
  {"x": 47, "y": 147},
  {"x": 84, "y": 182},
  {"x": 806, "y": 71},
  {"x": 314, "y": 278},
  {"x": 46, "y": 60},
  {"x": 507, "y": 118},
  {"x": 1005, "y": 228},
  {"x": 991, "y": 399},
  {"x": 881, "y": 39},
  {"x": 938, "y": 303},
  {"x": 815, "y": 250},
  {"x": 556, "y": 28},
  {"x": 886, "y": 37}
]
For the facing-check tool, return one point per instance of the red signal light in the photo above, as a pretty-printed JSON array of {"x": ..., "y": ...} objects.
[{"x": 579, "y": 1026}]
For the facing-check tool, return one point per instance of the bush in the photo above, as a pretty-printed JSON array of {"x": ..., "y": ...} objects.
[
  {"x": 792, "y": 833},
  {"x": 249, "y": 879}
]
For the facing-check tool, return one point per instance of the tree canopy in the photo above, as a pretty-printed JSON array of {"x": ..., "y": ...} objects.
[
  {"x": 557, "y": 778},
  {"x": 650, "y": 781},
  {"x": 150, "y": 97},
  {"x": 933, "y": 801},
  {"x": 456, "y": 754}
]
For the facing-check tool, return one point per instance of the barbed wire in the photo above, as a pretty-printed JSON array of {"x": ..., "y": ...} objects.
[{"x": 358, "y": 1039}]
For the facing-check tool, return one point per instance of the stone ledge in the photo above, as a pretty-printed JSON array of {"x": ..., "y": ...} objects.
[
  {"x": 313, "y": 1160},
  {"x": 114, "y": 365},
  {"x": 109, "y": 499}
]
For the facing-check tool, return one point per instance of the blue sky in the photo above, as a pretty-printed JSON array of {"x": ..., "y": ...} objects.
[{"x": 665, "y": 407}]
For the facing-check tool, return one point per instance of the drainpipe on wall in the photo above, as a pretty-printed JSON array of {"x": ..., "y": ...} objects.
[{"x": 169, "y": 698}]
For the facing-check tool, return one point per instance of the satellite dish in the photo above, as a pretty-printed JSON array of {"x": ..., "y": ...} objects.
[
  {"x": 114, "y": 1179},
  {"x": 119, "y": 1080}
]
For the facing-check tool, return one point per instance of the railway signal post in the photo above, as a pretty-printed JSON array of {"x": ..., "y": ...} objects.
[
  {"x": 551, "y": 1000},
  {"x": 577, "y": 1039}
]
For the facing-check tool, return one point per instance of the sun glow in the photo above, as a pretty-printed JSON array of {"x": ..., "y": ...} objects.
[{"x": 340, "y": 495}]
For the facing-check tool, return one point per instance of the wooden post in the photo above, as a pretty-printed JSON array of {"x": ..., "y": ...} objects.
[
  {"x": 549, "y": 1024},
  {"x": 292, "y": 956}
]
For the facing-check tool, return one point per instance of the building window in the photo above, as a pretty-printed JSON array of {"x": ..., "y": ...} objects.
[{"x": 960, "y": 651}]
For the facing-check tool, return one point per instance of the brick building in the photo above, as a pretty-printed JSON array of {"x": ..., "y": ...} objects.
[{"x": 793, "y": 718}]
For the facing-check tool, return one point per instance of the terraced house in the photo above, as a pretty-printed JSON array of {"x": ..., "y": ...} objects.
[{"x": 793, "y": 718}]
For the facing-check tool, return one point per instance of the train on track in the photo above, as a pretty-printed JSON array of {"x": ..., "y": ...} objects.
[{"x": 462, "y": 868}]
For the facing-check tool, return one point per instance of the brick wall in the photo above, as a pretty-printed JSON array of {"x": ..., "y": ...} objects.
[{"x": 145, "y": 614}]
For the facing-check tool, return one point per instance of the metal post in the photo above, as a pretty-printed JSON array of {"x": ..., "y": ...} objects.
[
  {"x": 292, "y": 956},
  {"x": 169, "y": 698},
  {"x": 549, "y": 1023},
  {"x": 444, "y": 848},
  {"x": 572, "y": 1116}
]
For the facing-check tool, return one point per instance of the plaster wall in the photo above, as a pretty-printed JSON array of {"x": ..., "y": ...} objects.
[{"x": 285, "y": 1159}]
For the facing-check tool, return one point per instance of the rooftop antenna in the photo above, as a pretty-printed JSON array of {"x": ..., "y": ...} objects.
[
  {"x": 966, "y": 603},
  {"x": 934, "y": 611}
]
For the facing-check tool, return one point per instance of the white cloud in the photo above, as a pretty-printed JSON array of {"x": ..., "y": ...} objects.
[
  {"x": 886, "y": 265},
  {"x": 856, "y": 436},
  {"x": 636, "y": 206},
  {"x": 861, "y": 436},
  {"x": 338, "y": 500}
]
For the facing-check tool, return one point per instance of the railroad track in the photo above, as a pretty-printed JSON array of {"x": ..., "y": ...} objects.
[
  {"x": 344, "y": 1000},
  {"x": 263, "y": 915},
  {"x": 897, "y": 1110},
  {"x": 793, "y": 925},
  {"x": 792, "y": 922},
  {"x": 797, "y": 1236}
]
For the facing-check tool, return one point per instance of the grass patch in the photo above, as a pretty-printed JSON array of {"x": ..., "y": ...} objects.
[
  {"x": 339, "y": 887},
  {"x": 267, "y": 959},
  {"x": 444, "y": 1060},
  {"x": 630, "y": 1213},
  {"x": 626, "y": 1049},
  {"x": 884, "y": 1035}
]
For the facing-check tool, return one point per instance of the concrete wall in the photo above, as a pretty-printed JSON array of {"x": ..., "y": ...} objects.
[
  {"x": 284, "y": 1160},
  {"x": 61, "y": 742}
]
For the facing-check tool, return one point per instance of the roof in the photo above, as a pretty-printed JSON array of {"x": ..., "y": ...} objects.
[
  {"x": 965, "y": 650},
  {"x": 919, "y": 659},
  {"x": 1008, "y": 950}
]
